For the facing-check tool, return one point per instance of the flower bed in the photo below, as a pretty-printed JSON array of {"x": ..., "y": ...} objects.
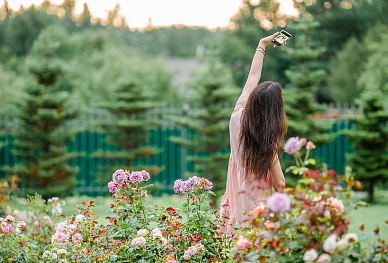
[{"x": 308, "y": 223}]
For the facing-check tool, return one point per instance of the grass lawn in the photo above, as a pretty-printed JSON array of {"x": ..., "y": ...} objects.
[{"x": 371, "y": 216}]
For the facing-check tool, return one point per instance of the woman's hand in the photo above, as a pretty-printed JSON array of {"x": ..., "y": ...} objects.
[{"x": 267, "y": 40}]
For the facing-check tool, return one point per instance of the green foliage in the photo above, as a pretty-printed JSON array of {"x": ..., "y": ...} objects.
[
  {"x": 370, "y": 140},
  {"x": 128, "y": 126},
  {"x": 211, "y": 89},
  {"x": 305, "y": 77},
  {"x": 345, "y": 70},
  {"x": 375, "y": 74},
  {"x": 42, "y": 112}
]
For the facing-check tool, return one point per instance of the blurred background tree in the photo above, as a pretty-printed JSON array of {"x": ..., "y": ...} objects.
[
  {"x": 305, "y": 75},
  {"x": 212, "y": 89},
  {"x": 127, "y": 128},
  {"x": 370, "y": 140},
  {"x": 43, "y": 113}
]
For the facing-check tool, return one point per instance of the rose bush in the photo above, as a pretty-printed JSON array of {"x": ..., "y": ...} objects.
[{"x": 308, "y": 223}]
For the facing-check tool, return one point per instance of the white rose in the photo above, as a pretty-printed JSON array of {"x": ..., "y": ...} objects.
[
  {"x": 342, "y": 245},
  {"x": 163, "y": 241},
  {"x": 79, "y": 218},
  {"x": 138, "y": 242},
  {"x": 157, "y": 235},
  {"x": 310, "y": 255},
  {"x": 351, "y": 238},
  {"x": 324, "y": 258},
  {"x": 156, "y": 230},
  {"x": 62, "y": 251},
  {"x": 330, "y": 243},
  {"x": 142, "y": 232}
]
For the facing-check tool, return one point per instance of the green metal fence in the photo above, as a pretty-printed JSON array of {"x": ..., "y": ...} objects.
[{"x": 172, "y": 158}]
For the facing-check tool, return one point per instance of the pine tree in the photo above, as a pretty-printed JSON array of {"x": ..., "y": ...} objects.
[
  {"x": 305, "y": 76},
  {"x": 42, "y": 133},
  {"x": 210, "y": 142},
  {"x": 127, "y": 129},
  {"x": 85, "y": 17},
  {"x": 369, "y": 139}
]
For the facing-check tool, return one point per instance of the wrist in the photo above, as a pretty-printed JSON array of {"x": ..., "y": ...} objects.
[{"x": 262, "y": 44}]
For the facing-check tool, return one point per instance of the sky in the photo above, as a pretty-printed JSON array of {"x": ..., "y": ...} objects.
[{"x": 209, "y": 13}]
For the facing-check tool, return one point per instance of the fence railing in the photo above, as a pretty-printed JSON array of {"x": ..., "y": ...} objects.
[{"x": 173, "y": 158}]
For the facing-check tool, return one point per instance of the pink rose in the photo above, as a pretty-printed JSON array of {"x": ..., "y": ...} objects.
[
  {"x": 9, "y": 219},
  {"x": 242, "y": 243},
  {"x": 7, "y": 229},
  {"x": 111, "y": 186},
  {"x": 136, "y": 177},
  {"x": 77, "y": 238},
  {"x": 310, "y": 145},
  {"x": 36, "y": 223},
  {"x": 324, "y": 258},
  {"x": 21, "y": 224},
  {"x": 59, "y": 237},
  {"x": 146, "y": 175},
  {"x": 336, "y": 204},
  {"x": 303, "y": 141},
  {"x": 54, "y": 256},
  {"x": 138, "y": 241},
  {"x": 279, "y": 202},
  {"x": 119, "y": 177},
  {"x": 293, "y": 145}
]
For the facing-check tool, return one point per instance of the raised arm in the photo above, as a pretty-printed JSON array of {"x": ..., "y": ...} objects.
[{"x": 256, "y": 66}]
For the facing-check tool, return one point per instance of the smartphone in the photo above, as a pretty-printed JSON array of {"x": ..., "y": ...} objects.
[{"x": 281, "y": 38}]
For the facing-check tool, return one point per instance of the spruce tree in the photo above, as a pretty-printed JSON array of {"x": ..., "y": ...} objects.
[
  {"x": 127, "y": 129},
  {"x": 369, "y": 138},
  {"x": 304, "y": 76},
  {"x": 210, "y": 143},
  {"x": 42, "y": 134}
]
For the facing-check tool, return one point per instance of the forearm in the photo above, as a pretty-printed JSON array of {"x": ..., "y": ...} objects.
[
  {"x": 277, "y": 176},
  {"x": 257, "y": 63}
]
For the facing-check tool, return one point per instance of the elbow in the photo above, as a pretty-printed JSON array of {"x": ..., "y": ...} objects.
[{"x": 280, "y": 185}]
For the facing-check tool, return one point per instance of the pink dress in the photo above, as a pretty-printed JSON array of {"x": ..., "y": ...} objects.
[{"x": 240, "y": 195}]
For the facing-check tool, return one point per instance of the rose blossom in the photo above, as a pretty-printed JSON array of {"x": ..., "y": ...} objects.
[
  {"x": 53, "y": 256},
  {"x": 310, "y": 255},
  {"x": 59, "y": 237},
  {"x": 342, "y": 245},
  {"x": 324, "y": 258},
  {"x": 200, "y": 247},
  {"x": 330, "y": 243},
  {"x": 192, "y": 181},
  {"x": 310, "y": 145},
  {"x": 46, "y": 254},
  {"x": 136, "y": 177},
  {"x": 119, "y": 176},
  {"x": 293, "y": 145},
  {"x": 172, "y": 261},
  {"x": 142, "y": 232},
  {"x": 279, "y": 202},
  {"x": 36, "y": 223},
  {"x": 177, "y": 186},
  {"x": 146, "y": 175},
  {"x": 138, "y": 242},
  {"x": 79, "y": 218},
  {"x": 190, "y": 252},
  {"x": 61, "y": 227},
  {"x": 21, "y": 224},
  {"x": 9, "y": 219},
  {"x": 7, "y": 229},
  {"x": 336, "y": 204},
  {"x": 77, "y": 238},
  {"x": 186, "y": 188},
  {"x": 242, "y": 243},
  {"x": 62, "y": 251},
  {"x": 156, "y": 230},
  {"x": 111, "y": 186},
  {"x": 209, "y": 186},
  {"x": 351, "y": 238}
]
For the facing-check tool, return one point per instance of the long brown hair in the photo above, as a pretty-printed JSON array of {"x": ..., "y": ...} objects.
[{"x": 263, "y": 126}]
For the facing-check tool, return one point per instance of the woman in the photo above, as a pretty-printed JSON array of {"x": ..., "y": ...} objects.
[{"x": 257, "y": 128}]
